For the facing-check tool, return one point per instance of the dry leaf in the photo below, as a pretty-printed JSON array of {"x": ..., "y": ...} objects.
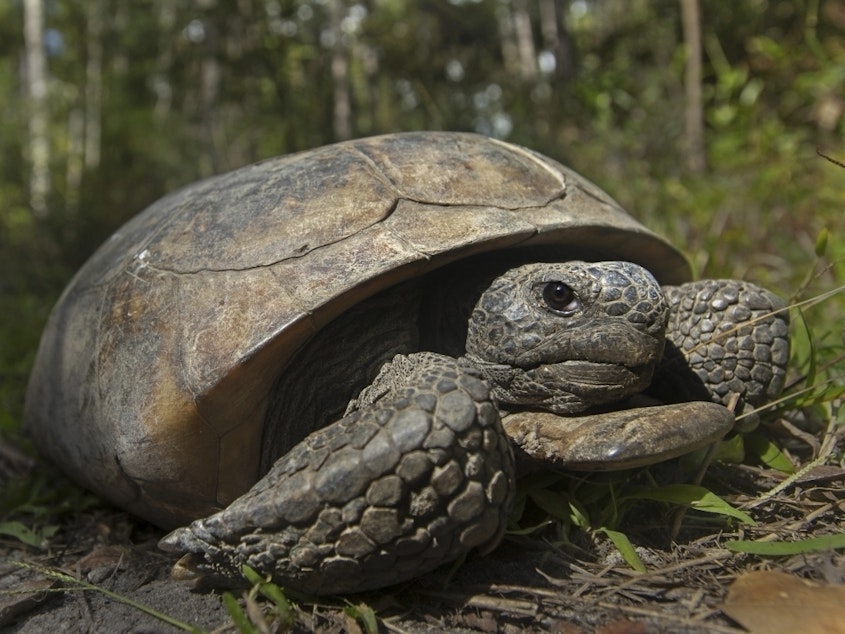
[
  {"x": 102, "y": 556},
  {"x": 772, "y": 602}
]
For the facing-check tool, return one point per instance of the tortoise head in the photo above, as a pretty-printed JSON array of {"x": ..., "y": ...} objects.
[{"x": 568, "y": 336}]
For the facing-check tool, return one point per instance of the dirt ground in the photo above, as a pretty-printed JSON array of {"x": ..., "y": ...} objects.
[
  {"x": 523, "y": 586},
  {"x": 527, "y": 584}
]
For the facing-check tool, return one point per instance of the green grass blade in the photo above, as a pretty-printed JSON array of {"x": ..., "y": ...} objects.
[
  {"x": 364, "y": 614},
  {"x": 822, "y": 240},
  {"x": 251, "y": 575},
  {"x": 237, "y": 614},
  {"x": 284, "y": 610},
  {"x": 810, "y": 379},
  {"x": 773, "y": 549},
  {"x": 694, "y": 496},
  {"x": 276, "y": 595}
]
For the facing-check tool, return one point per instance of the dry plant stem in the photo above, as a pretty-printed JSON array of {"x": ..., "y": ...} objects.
[
  {"x": 712, "y": 627},
  {"x": 631, "y": 589},
  {"x": 636, "y": 577},
  {"x": 830, "y": 439},
  {"x": 815, "y": 300},
  {"x": 393, "y": 628},
  {"x": 830, "y": 158}
]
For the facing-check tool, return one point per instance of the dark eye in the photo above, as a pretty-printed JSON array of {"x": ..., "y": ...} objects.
[{"x": 559, "y": 297}]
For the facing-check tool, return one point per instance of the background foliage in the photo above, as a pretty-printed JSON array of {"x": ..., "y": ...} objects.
[{"x": 142, "y": 97}]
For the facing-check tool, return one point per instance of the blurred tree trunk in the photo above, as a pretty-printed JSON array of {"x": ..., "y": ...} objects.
[
  {"x": 370, "y": 65},
  {"x": 693, "y": 108},
  {"x": 507, "y": 40},
  {"x": 524, "y": 39},
  {"x": 37, "y": 112},
  {"x": 210, "y": 96},
  {"x": 84, "y": 131},
  {"x": 556, "y": 37},
  {"x": 342, "y": 110},
  {"x": 94, "y": 83},
  {"x": 162, "y": 84},
  {"x": 75, "y": 160}
]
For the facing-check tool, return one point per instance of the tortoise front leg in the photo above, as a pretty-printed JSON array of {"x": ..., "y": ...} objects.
[
  {"x": 727, "y": 340},
  {"x": 419, "y": 475}
]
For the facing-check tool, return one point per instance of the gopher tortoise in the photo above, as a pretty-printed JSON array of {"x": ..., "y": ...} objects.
[{"x": 329, "y": 365}]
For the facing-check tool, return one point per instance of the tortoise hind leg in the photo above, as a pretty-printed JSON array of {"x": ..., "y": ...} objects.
[
  {"x": 421, "y": 474},
  {"x": 726, "y": 340}
]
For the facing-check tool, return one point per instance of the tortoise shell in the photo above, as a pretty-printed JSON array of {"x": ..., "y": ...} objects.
[{"x": 153, "y": 376}]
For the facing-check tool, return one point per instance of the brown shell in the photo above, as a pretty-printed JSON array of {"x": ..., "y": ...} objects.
[{"x": 152, "y": 378}]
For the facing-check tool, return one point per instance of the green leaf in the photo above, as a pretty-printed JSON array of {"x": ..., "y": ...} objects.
[
  {"x": 694, "y": 496},
  {"x": 821, "y": 242},
  {"x": 625, "y": 548},
  {"x": 768, "y": 452},
  {"x": 26, "y": 535},
  {"x": 365, "y": 614},
  {"x": 772, "y": 549},
  {"x": 553, "y": 503},
  {"x": 251, "y": 575},
  {"x": 275, "y": 594},
  {"x": 731, "y": 451},
  {"x": 269, "y": 590},
  {"x": 237, "y": 614}
]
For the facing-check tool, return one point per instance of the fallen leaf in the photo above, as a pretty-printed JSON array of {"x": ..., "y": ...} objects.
[
  {"x": 772, "y": 602},
  {"x": 102, "y": 556}
]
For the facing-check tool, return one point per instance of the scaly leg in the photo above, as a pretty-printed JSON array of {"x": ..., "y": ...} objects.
[
  {"x": 421, "y": 474},
  {"x": 726, "y": 340}
]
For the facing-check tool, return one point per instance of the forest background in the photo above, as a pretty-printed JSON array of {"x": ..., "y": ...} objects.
[{"x": 702, "y": 117}]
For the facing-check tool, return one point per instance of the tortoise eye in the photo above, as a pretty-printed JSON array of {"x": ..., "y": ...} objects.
[{"x": 560, "y": 297}]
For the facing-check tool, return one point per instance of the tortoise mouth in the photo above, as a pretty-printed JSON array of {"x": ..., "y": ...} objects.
[
  {"x": 590, "y": 383},
  {"x": 566, "y": 388}
]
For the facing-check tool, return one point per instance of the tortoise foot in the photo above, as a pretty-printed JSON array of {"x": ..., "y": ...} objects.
[
  {"x": 727, "y": 341},
  {"x": 420, "y": 475}
]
